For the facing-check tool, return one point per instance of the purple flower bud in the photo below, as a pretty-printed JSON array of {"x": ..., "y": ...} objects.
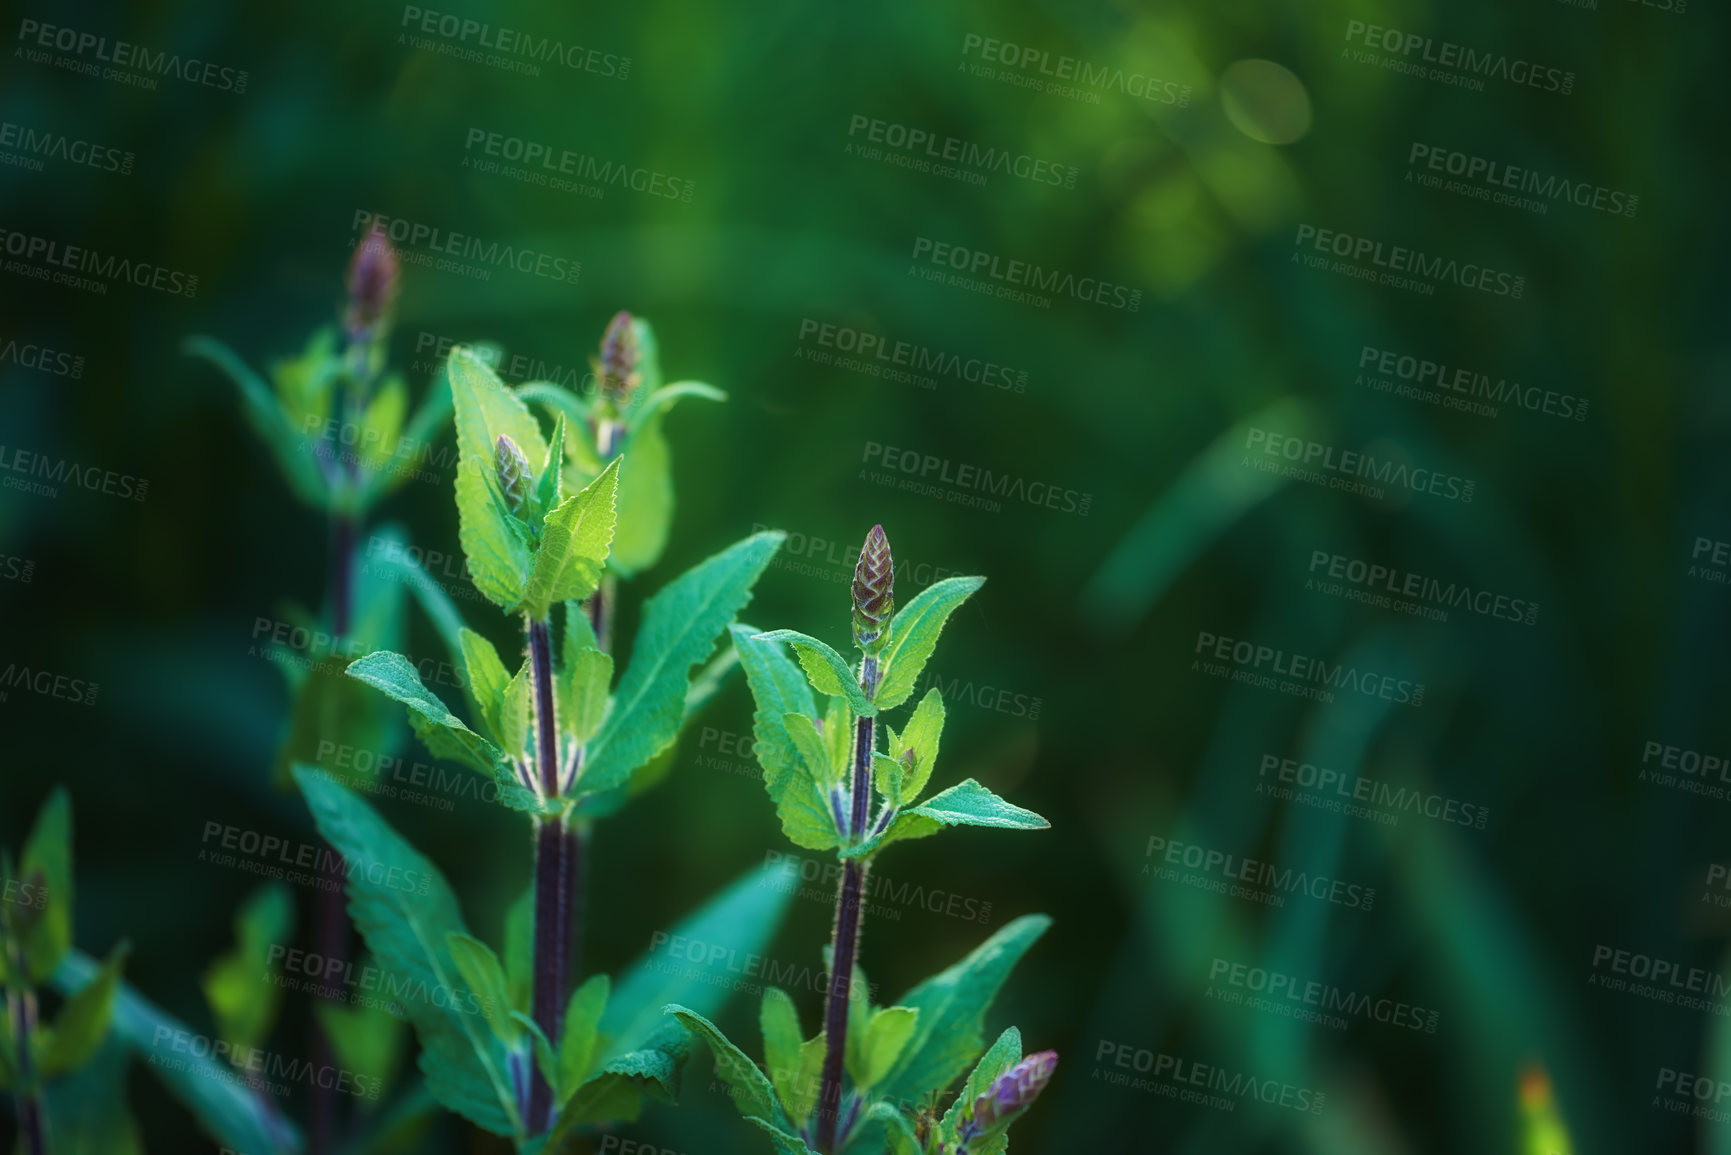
[
  {"x": 1012, "y": 1092},
  {"x": 874, "y": 593},
  {"x": 372, "y": 281},
  {"x": 616, "y": 367},
  {"x": 513, "y": 471}
]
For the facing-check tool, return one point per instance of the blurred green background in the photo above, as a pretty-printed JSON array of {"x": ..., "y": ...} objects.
[{"x": 1088, "y": 622}]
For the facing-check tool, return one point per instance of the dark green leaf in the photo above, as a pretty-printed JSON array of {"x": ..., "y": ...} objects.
[{"x": 913, "y": 634}]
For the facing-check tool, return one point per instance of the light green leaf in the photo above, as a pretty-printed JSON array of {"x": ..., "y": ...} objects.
[
  {"x": 802, "y": 1090},
  {"x": 485, "y": 977},
  {"x": 740, "y": 920},
  {"x": 784, "y": 1141},
  {"x": 839, "y": 734},
  {"x": 779, "y": 688},
  {"x": 406, "y": 912},
  {"x": 752, "y": 1094},
  {"x": 48, "y": 853},
  {"x": 779, "y": 1020},
  {"x": 83, "y": 1021},
  {"x": 582, "y": 1036},
  {"x": 828, "y": 672},
  {"x": 230, "y": 1113},
  {"x": 560, "y": 401},
  {"x": 923, "y": 732},
  {"x": 573, "y": 550},
  {"x": 496, "y": 548},
  {"x": 548, "y": 485},
  {"x": 367, "y": 1041},
  {"x": 645, "y": 499},
  {"x": 885, "y": 1038},
  {"x": 545, "y": 1061},
  {"x": 897, "y": 1130},
  {"x": 587, "y": 682},
  {"x": 952, "y": 1007},
  {"x": 514, "y": 711},
  {"x": 441, "y": 731},
  {"x": 999, "y": 1057},
  {"x": 486, "y": 678},
  {"x": 965, "y": 804},
  {"x": 289, "y": 443},
  {"x": 382, "y": 424},
  {"x": 520, "y": 948},
  {"x": 245, "y": 1008},
  {"x": 679, "y": 628},
  {"x": 913, "y": 634},
  {"x": 888, "y": 777},
  {"x": 654, "y": 403},
  {"x": 802, "y": 798}
]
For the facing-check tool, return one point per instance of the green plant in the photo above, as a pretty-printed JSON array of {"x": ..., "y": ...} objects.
[
  {"x": 822, "y": 774},
  {"x": 548, "y": 524}
]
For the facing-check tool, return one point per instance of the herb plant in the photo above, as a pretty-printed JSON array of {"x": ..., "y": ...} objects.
[
  {"x": 548, "y": 523},
  {"x": 859, "y": 1083}
]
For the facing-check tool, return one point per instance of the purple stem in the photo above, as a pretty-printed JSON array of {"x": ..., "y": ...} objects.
[
  {"x": 553, "y": 872},
  {"x": 21, "y": 1005},
  {"x": 844, "y": 940}
]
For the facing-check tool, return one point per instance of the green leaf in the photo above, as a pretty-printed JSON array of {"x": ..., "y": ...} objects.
[
  {"x": 87, "y": 1110},
  {"x": 382, "y": 425},
  {"x": 784, "y": 1141},
  {"x": 802, "y": 799},
  {"x": 952, "y": 1007},
  {"x": 549, "y": 484},
  {"x": 405, "y": 911},
  {"x": 573, "y": 550},
  {"x": 897, "y": 1130},
  {"x": 828, "y": 672},
  {"x": 657, "y": 401},
  {"x": 520, "y": 948},
  {"x": 839, "y": 733},
  {"x": 913, "y": 634},
  {"x": 244, "y": 1007},
  {"x": 679, "y": 629},
  {"x": 48, "y": 852},
  {"x": 291, "y": 445},
  {"x": 545, "y": 1061},
  {"x": 514, "y": 711},
  {"x": 481, "y": 969},
  {"x": 778, "y": 689},
  {"x": 801, "y": 1091},
  {"x": 782, "y": 1038},
  {"x": 923, "y": 732},
  {"x": 366, "y": 1040},
  {"x": 588, "y": 681},
  {"x": 741, "y": 920},
  {"x": 487, "y": 679},
  {"x": 888, "y": 776},
  {"x": 753, "y": 1095},
  {"x": 230, "y": 1113},
  {"x": 582, "y": 1033},
  {"x": 560, "y": 401},
  {"x": 999, "y": 1057},
  {"x": 496, "y": 548},
  {"x": 616, "y": 1092},
  {"x": 441, "y": 731},
  {"x": 965, "y": 804},
  {"x": 83, "y": 1021},
  {"x": 645, "y": 499},
  {"x": 885, "y": 1038}
]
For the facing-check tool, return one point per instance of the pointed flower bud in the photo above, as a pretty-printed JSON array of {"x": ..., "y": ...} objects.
[
  {"x": 372, "y": 282},
  {"x": 874, "y": 597},
  {"x": 513, "y": 470},
  {"x": 616, "y": 367},
  {"x": 1011, "y": 1093}
]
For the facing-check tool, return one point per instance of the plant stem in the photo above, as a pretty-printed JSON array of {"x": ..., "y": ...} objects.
[
  {"x": 844, "y": 940},
  {"x": 552, "y": 928},
  {"x": 21, "y": 1008}
]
